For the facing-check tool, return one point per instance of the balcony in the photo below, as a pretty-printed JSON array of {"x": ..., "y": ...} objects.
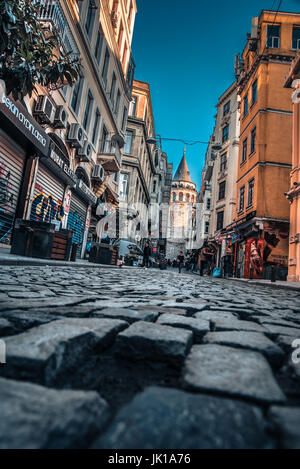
[
  {"x": 51, "y": 13},
  {"x": 209, "y": 171},
  {"x": 110, "y": 159}
]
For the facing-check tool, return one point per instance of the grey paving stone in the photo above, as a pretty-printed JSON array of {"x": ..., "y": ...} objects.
[
  {"x": 22, "y": 320},
  {"x": 286, "y": 422},
  {"x": 248, "y": 340},
  {"x": 6, "y": 327},
  {"x": 214, "y": 315},
  {"x": 147, "y": 341},
  {"x": 187, "y": 306},
  {"x": 199, "y": 327},
  {"x": 236, "y": 325},
  {"x": 162, "y": 310},
  {"x": 40, "y": 303},
  {"x": 274, "y": 330},
  {"x": 47, "y": 353},
  {"x": 34, "y": 417},
  {"x": 129, "y": 315},
  {"x": 169, "y": 419},
  {"x": 231, "y": 371}
]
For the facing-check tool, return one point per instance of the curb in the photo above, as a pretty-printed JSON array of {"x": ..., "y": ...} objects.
[{"x": 274, "y": 286}]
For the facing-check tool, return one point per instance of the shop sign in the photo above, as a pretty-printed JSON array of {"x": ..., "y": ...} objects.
[
  {"x": 24, "y": 122},
  {"x": 83, "y": 190},
  {"x": 88, "y": 218},
  {"x": 62, "y": 166}
]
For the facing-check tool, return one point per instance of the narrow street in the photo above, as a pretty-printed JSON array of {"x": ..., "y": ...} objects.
[{"x": 134, "y": 358}]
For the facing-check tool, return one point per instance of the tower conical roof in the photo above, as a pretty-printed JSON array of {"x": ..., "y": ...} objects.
[{"x": 182, "y": 173}]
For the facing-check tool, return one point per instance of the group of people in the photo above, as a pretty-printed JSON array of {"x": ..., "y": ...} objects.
[{"x": 189, "y": 262}]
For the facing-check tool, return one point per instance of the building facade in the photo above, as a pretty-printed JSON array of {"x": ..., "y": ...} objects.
[
  {"x": 67, "y": 170},
  {"x": 182, "y": 212},
  {"x": 293, "y": 195},
  {"x": 265, "y": 155}
]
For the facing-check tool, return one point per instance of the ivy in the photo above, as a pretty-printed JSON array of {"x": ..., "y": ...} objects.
[{"x": 29, "y": 54}]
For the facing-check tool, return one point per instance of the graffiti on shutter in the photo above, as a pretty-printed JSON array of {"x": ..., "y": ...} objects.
[{"x": 76, "y": 221}]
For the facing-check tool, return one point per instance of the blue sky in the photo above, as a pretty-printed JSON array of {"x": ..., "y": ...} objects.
[{"x": 185, "y": 49}]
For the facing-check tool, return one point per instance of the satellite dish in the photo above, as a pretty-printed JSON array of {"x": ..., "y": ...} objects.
[{"x": 117, "y": 138}]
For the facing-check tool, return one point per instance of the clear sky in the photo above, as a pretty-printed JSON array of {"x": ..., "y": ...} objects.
[{"x": 185, "y": 49}]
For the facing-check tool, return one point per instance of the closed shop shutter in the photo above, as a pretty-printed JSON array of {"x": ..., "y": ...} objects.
[
  {"x": 76, "y": 220},
  {"x": 47, "y": 203},
  {"x": 11, "y": 171}
]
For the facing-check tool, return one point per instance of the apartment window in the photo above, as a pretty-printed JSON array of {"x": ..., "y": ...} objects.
[
  {"x": 133, "y": 105},
  {"x": 244, "y": 150},
  {"x": 225, "y": 134},
  {"x": 113, "y": 87},
  {"x": 104, "y": 140},
  {"x": 242, "y": 199},
  {"x": 77, "y": 90},
  {"x": 124, "y": 178},
  {"x": 273, "y": 36},
  {"x": 88, "y": 110},
  {"x": 222, "y": 190},
  {"x": 296, "y": 38},
  {"x": 124, "y": 119},
  {"x": 206, "y": 227},
  {"x": 96, "y": 126},
  {"x": 105, "y": 65},
  {"x": 90, "y": 19},
  {"x": 220, "y": 220},
  {"x": 129, "y": 140},
  {"x": 253, "y": 141},
  {"x": 99, "y": 44},
  {"x": 118, "y": 102},
  {"x": 246, "y": 106},
  {"x": 154, "y": 186},
  {"x": 226, "y": 109},
  {"x": 208, "y": 204},
  {"x": 223, "y": 164},
  {"x": 250, "y": 193},
  {"x": 254, "y": 92}
]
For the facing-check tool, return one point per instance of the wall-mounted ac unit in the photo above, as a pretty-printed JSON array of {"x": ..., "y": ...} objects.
[
  {"x": 76, "y": 135},
  {"x": 44, "y": 109},
  {"x": 98, "y": 173},
  {"x": 85, "y": 153},
  {"x": 60, "y": 118}
]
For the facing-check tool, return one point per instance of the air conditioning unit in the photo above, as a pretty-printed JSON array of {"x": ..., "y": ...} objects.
[
  {"x": 85, "y": 153},
  {"x": 44, "y": 109},
  {"x": 98, "y": 173},
  {"x": 76, "y": 135},
  {"x": 60, "y": 118}
]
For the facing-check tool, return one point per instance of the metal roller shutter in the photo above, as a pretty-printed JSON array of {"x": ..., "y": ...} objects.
[
  {"x": 76, "y": 220},
  {"x": 11, "y": 171},
  {"x": 47, "y": 204}
]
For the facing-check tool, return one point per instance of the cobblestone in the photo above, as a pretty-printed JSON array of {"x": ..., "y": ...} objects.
[{"x": 132, "y": 344}]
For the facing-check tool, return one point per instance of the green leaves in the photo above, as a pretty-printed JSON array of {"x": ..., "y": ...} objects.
[{"x": 28, "y": 53}]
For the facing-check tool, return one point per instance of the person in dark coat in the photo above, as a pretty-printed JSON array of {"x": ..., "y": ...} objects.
[
  {"x": 147, "y": 254},
  {"x": 180, "y": 260}
]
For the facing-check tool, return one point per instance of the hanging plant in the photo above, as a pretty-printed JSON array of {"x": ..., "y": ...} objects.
[{"x": 29, "y": 55}]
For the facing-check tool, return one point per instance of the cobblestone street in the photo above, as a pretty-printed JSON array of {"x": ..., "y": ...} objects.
[{"x": 123, "y": 359}]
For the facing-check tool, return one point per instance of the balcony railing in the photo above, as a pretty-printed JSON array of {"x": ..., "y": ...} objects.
[
  {"x": 110, "y": 158},
  {"x": 51, "y": 12}
]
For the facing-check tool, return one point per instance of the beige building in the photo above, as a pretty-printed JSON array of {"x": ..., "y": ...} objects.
[
  {"x": 83, "y": 126},
  {"x": 140, "y": 163}
]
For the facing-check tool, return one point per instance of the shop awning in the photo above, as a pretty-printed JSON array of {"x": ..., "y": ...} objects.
[
  {"x": 112, "y": 198},
  {"x": 99, "y": 189}
]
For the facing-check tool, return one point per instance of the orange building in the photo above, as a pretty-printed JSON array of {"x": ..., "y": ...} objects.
[
  {"x": 293, "y": 81},
  {"x": 265, "y": 154}
]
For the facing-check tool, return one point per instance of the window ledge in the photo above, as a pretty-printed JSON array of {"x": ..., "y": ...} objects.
[
  {"x": 251, "y": 154},
  {"x": 249, "y": 207},
  {"x": 243, "y": 163}
]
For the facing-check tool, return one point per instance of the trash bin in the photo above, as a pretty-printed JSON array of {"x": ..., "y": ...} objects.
[
  {"x": 33, "y": 239},
  {"x": 103, "y": 254}
]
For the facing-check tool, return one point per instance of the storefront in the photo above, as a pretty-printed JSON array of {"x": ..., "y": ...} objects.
[
  {"x": 22, "y": 140},
  {"x": 82, "y": 199}
]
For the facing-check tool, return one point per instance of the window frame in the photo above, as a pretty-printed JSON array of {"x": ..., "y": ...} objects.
[
  {"x": 297, "y": 39},
  {"x": 225, "y": 135},
  {"x": 220, "y": 215},
  {"x": 254, "y": 95},
  {"x": 96, "y": 126},
  {"x": 129, "y": 131},
  {"x": 223, "y": 162},
  {"x": 242, "y": 191},
  {"x": 89, "y": 28},
  {"x": 269, "y": 26},
  {"x": 244, "y": 150},
  {"x": 222, "y": 191},
  {"x": 89, "y": 104},
  {"x": 251, "y": 184},
  {"x": 253, "y": 143},
  {"x": 246, "y": 105}
]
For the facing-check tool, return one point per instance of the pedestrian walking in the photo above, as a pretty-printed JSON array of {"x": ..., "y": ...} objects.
[
  {"x": 147, "y": 254},
  {"x": 180, "y": 260}
]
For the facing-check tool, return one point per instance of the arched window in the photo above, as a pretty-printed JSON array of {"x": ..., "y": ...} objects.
[
  {"x": 174, "y": 196},
  {"x": 181, "y": 197},
  {"x": 187, "y": 197}
]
